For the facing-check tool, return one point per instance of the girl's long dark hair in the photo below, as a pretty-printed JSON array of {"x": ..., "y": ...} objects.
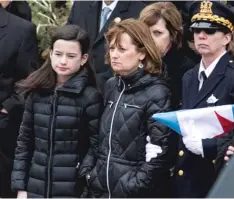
[{"x": 45, "y": 77}]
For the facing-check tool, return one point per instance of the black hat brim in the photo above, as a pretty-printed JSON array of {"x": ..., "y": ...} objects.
[{"x": 205, "y": 25}]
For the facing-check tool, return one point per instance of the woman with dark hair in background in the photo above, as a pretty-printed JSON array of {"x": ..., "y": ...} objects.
[{"x": 165, "y": 24}]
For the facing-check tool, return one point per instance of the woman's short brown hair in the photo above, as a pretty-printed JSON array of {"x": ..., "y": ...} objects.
[
  {"x": 172, "y": 17},
  {"x": 141, "y": 37}
]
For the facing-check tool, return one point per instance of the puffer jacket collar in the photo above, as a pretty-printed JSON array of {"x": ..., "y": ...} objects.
[
  {"x": 76, "y": 83},
  {"x": 137, "y": 79}
]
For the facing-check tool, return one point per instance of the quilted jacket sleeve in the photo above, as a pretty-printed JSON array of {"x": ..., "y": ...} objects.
[
  {"x": 23, "y": 152},
  {"x": 93, "y": 114},
  {"x": 157, "y": 170}
]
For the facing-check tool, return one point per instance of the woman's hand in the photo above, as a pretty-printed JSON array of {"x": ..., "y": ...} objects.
[
  {"x": 22, "y": 194},
  {"x": 229, "y": 153},
  {"x": 151, "y": 150}
]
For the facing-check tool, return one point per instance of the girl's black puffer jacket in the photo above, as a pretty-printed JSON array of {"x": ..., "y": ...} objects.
[{"x": 56, "y": 130}]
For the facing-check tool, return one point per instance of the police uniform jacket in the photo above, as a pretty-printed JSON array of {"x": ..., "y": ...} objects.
[{"x": 195, "y": 175}]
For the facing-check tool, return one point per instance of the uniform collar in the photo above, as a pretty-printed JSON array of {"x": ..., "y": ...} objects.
[{"x": 210, "y": 68}]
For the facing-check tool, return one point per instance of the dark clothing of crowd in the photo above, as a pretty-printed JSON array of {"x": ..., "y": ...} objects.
[
  {"x": 19, "y": 58},
  {"x": 75, "y": 147}
]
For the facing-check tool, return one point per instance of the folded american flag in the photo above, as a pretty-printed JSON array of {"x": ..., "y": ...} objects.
[{"x": 209, "y": 122}]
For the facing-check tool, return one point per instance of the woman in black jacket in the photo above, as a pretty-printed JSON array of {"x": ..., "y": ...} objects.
[
  {"x": 60, "y": 119},
  {"x": 131, "y": 98},
  {"x": 165, "y": 23}
]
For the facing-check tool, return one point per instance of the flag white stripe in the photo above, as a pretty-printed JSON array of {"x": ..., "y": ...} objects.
[{"x": 204, "y": 122}]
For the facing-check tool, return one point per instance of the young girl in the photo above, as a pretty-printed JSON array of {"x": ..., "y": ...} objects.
[{"x": 61, "y": 116}]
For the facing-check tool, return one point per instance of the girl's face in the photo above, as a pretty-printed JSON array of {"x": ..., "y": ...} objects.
[{"x": 66, "y": 59}]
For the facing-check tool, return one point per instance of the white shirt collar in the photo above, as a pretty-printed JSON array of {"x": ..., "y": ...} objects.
[
  {"x": 210, "y": 68},
  {"x": 111, "y": 6}
]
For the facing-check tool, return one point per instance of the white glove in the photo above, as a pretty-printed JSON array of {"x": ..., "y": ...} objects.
[
  {"x": 22, "y": 194},
  {"x": 151, "y": 150},
  {"x": 194, "y": 144}
]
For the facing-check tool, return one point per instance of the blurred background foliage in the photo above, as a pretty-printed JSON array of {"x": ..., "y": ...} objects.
[{"x": 47, "y": 15}]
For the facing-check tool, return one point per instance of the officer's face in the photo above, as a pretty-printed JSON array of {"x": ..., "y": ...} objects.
[
  {"x": 208, "y": 44},
  {"x": 161, "y": 36}
]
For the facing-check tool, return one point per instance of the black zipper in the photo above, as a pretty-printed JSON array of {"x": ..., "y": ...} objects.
[{"x": 51, "y": 144}]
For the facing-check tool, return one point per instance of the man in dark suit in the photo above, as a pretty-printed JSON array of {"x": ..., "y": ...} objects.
[
  {"x": 88, "y": 15},
  {"x": 210, "y": 83},
  {"x": 20, "y": 9},
  {"x": 18, "y": 51}
]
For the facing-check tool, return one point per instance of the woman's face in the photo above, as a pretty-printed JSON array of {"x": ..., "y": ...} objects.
[
  {"x": 66, "y": 59},
  {"x": 125, "y": 58},
  {"x": 210, "y": 44},
  {"x": 161, "y": 36}
]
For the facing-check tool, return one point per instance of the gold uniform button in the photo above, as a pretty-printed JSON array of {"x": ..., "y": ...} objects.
[
  {"x": 180, "y": 172},
  {"x": 213, "y": 161},
  {"x": 181, "y": 153}
]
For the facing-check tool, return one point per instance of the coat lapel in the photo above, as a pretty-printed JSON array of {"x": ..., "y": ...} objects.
[
  {"x": 93, "y": 19},
  {"x": 3, "y": 22},
  {"x": 216, "y": 76},
  {"x": 193, "y": 85},
  {"x": 122, "y": 6}
]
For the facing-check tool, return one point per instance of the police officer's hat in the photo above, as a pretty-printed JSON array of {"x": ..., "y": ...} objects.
[{"x": 211, "y": 14}]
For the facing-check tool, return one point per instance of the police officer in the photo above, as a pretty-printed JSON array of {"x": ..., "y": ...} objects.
[{"x": 210, "y": 83}]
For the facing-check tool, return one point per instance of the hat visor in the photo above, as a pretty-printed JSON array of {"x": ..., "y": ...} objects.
[{"x": 205, "y": 25}]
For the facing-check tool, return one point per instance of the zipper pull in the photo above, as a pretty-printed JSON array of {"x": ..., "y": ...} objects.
[
  {"x": 125, "y": 105},
  {"x": 87, "y": 177},
  {"x": 111, "y": 103},
  {"x": 78, "y": 165},
  {"x": 55, "y": 93}
]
